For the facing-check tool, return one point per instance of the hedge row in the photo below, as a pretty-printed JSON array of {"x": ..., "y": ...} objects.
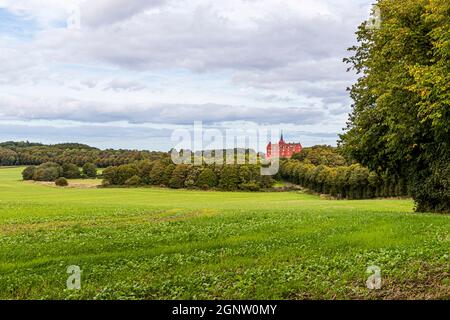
[
  {"x": 345, "y": 182},
  {"x": 166, "y": 174}
]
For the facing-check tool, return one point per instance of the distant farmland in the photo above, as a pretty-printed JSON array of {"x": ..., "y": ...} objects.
[{"x": 150, "y": 243}]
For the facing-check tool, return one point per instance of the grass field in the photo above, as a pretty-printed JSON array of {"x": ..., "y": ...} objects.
[{"x": 173, "y": 244}]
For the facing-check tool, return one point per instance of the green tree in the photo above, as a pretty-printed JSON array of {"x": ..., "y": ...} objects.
[
  {"x": 28, "y": 173},
  {"x": 179, "y": 176},
  {"x": 48, "y": 171},
  {"x": 90, "y": 170},
  {"x": 71, "y": 171},
  {"x": 167, "y": 174},
  {"x": 192, "y": 176},
  {"x": 229, "y": 178},
  {"x": 61, "y": 182},
  {"x": 144, "y": 168},
  {"x": 156, "y": 174},
  {"x": 134, "y": 181},
  {"x": 207, "y": 179},
  {"x": 109, "y": 176},
  {"x": 125, "y": 172},
  {"x": 400, "y": 122}
]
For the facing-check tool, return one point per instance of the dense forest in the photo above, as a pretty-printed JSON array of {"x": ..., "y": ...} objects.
[{"x": 26, "y": 153}]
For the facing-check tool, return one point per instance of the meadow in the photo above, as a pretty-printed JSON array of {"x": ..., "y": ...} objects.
[{"x": 151, "y": 243}]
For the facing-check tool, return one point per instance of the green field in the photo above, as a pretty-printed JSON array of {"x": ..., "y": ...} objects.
[{"x": 176, "y": 244}]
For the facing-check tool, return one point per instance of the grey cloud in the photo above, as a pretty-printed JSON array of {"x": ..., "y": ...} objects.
[
  {"x": 89, "y": 83},
  {"x": 122, "y": 85},
  {"x": 274, "y": 98},
  {"x": 89, "y": 111},
  {"x": 105, "y": 12}
]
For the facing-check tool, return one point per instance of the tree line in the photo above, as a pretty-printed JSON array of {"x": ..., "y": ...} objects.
[
  {"x": 166, "y": 174},
  {"x": 26, "y": 153},
  {"x": 344, "y": 182}
]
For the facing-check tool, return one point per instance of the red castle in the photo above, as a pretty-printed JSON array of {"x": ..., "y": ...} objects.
[{"x": 286, "y": 150}]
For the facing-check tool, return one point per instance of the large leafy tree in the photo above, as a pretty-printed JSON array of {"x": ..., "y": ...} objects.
[{"x": 400, "y": 124}]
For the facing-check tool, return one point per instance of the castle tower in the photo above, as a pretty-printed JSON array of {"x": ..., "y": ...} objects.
[{"x": 286, "y": 150}]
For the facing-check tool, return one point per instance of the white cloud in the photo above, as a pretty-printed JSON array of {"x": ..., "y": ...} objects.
[{"x": 178, "y": 61}]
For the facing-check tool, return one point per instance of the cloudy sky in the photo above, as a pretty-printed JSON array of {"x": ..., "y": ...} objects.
[{"x": 126, "y": 73}]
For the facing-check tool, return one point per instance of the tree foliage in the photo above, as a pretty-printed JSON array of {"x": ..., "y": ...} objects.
[
  {"x": 317, "y": 155},
  {"x": 26, "y": 153},
  {"x": 90, "y": 170},
  {"x": 400, "y": 124},
  {"x": 345, "y": 182},
  {"x": 61, "y": 182},
  {"x": 165, "y": 173}
]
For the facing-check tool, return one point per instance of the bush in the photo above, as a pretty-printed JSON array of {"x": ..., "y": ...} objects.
[
  {"x": 192, "y": 176},
  {"x": 267, "y": 182},
  {"x": 250, "y": 186},
  {"x": 156, "y": 174},
  {"x": 47, "y": 173},
  {"x": 125, "y": 172},
  {"x": 229, "y": 178},
  {"x": 179, "y": 176},
  {"x": 167, "y": 175},
  {"x": 207, "y": 179},
  {"x": 133, "y": 181},
  {"x": 28, "y": 173},
  {"x": 431, "y": 190},
  {"x": 71, "y": 171},
  {"x": 109, "y": 176},
  {"x": 61, "y": 182},
  {"x": 90, "y": 170}
]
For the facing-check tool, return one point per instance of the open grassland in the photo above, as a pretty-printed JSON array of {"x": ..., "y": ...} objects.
[{"x": 172, "y": 244}]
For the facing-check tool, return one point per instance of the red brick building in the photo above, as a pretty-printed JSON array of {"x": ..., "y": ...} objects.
[{"x": 286, "y": 150}]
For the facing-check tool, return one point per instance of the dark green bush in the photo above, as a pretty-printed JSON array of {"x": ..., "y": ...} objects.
[
  {"x": 134, "y": 181},
  {"x": 90, "y": 170},
  {"x": 61, "y": 182},
  {"x": 28, "y": 173},
  {"x": 71, "y": 171},
  {"x": 207, "y": 179}
]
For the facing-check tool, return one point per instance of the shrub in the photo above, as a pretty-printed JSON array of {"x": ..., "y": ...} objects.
[
  {"x": 229, "y": 178},
  {"x": 109, "y": 176},
  {"x": 28, "y": 173},
  {"x": 133, "y": 181},
  {"x": 207, "y": 179},
  {"x": 90, "y": 170},
  {"x": 167, "y": 174},
  {"x": 156, "y": 174},
  {"x": 249, "y": 186},
  {"x": 125, "y": 172},
  {"x": 47, "y": 173},
  {"x": 61, "y": 182},
  {"x": 267, "y": 182},
  {"x": 70, "y": 171},
  {"x": 178, "y": 176},
  {"x": 192, "y": 176}
]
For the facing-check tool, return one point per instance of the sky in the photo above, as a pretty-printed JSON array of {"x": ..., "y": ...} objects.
[{"x": 127, "y": 73}]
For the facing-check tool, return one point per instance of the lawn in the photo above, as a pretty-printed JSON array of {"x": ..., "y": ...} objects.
[{"x": 154, "y": 243}]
